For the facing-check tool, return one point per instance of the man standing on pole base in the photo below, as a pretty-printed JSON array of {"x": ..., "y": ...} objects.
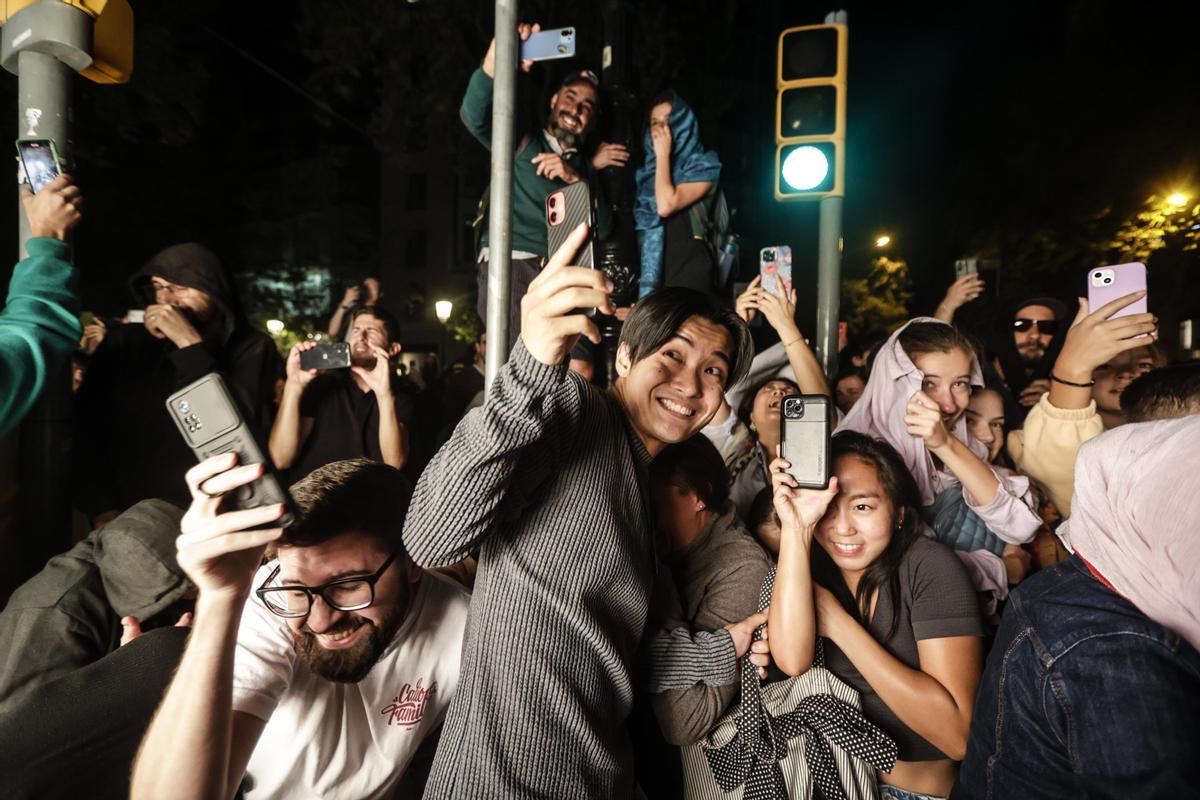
[{"x": 547, "y": 481}]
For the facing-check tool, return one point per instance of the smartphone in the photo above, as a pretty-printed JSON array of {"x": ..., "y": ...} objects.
[
  {"x": 326, "y": 356},
  {"x": 87, "y": 318},
  {"x": 965, "y": 266},
  {"x": 547, "y": 45},
  {"x": 39, "y": 157},
  {"x": 806, "y": 424},
  {"x": 565, "y": 210},
  {"x": 135, "y": 316},
  {"x": 1105, "y": 284},
  {"x": 775, "y": 266},
  {"x": 208, "y": 417}
]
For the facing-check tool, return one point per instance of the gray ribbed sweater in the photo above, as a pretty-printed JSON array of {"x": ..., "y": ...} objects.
[{"x": 547, "y": 480}]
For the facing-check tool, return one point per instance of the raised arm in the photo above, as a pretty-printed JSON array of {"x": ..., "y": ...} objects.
[
  {"x": 962, "y": 291},
  {"x": 39, "y": 326},
  {"x": 532, "y": 413},
  {"x": 476, "y": 109},
  {"x": 780, "y": 312},
  {"x": 393, "y": 436},
  {"x": 196, "y": 745},
  {"x": 291, "y": 429}
]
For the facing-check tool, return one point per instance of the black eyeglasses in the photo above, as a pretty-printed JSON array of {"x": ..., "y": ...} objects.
[
  {"x": 345, "y": 594},
  {"x": 1047, "y": 327}
]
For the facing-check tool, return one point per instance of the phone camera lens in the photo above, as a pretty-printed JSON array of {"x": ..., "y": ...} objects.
[{"x": 1107, "y": 281}]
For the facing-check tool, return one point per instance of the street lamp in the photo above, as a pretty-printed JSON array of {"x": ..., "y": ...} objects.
[
  {"x": 1178, "y": 199},
  {"x": 443, "y": 308},
  {"x": 275, "y": 326},
  {"x": 883, "y": 241}
]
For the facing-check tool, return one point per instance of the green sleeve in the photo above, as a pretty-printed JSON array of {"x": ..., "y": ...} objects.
[
  {"x": 476, "y": 111},
  {"x": 39, "y": 326}
]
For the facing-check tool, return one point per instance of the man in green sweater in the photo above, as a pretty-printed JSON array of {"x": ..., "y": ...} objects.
[
  {"x": 39, "y": 326},
  {"x": 546, "y": 160}
]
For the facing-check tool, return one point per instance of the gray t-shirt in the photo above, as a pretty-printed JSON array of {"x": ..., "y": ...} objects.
[{"x": 937, "y": 600}]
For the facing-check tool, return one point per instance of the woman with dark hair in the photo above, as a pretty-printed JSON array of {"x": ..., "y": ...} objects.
[
  {"x": 915, "y": 400},
  {"x": 672, "y": 185},
  {"x": 759, "y": 413},
  {"x": 896, "y": 609}
]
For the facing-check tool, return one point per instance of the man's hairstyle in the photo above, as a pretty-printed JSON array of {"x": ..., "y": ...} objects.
[
  {"x": 391, "y": 327},
  {"x": 353, "y": 495},
  {"x": 1163, "y": 393},
  {"x": 920, "y": 338},
  {"x": 658, "y": 316},
  {"x": 693, "y": 465}
]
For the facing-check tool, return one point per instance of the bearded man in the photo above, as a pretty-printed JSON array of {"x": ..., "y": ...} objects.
[
  {"x": 318, "y": 674},
  {"x": 1023, "y": 348},
  {"x": 126, "y": 447},
  {"x": 344, "y": 413}
]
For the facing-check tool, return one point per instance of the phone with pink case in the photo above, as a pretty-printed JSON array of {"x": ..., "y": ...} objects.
[
  {"x": 775, "y": 266},
  {"x": 1105, "y": 284}
]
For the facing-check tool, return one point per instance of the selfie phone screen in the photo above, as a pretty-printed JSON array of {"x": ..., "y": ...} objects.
[{"x": 40, "y": 162}]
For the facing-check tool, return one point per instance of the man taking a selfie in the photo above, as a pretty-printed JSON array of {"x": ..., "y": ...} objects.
[
  {"x": 347, "y": 412},
  {"x": 318, "y": 674},
  {"x": 547, "y": 482}
]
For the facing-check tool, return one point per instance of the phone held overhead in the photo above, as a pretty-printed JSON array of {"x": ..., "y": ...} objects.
[
  {"x": 775, "y": 266},
  {"x": 40, "y": 161},
  {"x": 548, "y": 45}
]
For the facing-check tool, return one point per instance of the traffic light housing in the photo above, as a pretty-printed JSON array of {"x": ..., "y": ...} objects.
[{"x": 810, "y": 113}]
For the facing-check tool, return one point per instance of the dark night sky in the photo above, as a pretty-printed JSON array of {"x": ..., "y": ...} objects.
[{"x": 961, "y": 119}]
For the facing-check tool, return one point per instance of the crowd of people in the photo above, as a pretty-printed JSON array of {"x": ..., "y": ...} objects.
[{"x": 563, "y": 590}]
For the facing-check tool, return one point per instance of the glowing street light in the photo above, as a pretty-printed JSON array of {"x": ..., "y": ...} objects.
[
  {"x": 275, "y": 326},
  {"x": 443, "y": 308},
  {"x": 1178, "y": 199},
  {"x": 883, "y": 241}
]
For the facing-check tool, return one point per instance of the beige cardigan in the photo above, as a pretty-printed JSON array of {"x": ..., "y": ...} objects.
[{"x": 1045, "y": 448}]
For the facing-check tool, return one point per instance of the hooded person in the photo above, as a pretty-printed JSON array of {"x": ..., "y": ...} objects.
[
  {"x": 978, "y": 531},
  {"x": 70, "y": 614},
  {"x": 1093, "y": 684},
  {"x": 126, "y": 446},
  {"x": 1025, "y": 341},
  {"x": 672, "y": 185}
]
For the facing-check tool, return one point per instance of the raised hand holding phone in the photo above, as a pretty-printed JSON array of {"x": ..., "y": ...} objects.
[
  {"x": 54, "y": 210},
  {"x": 550, "y": 322},
  {"x": 524, "y": 31},
  {"x": 1095, "y": 338}
]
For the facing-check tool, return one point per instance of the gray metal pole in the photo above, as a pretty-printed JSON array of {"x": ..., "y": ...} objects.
[
  {"x": 829, "y": 282},
  {"x": 43, "y": 111},
  {"x": 504, "y": 101}
]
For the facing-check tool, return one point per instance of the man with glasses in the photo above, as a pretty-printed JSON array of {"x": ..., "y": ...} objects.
[
  {"x": 1023, "y": 348},
  {"x": 318, "y": 674},
  {"x": 126, "y": 447},
  {"x": 354, "y": 412}
]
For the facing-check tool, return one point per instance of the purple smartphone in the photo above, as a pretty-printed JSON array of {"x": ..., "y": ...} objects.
[
  {"x": 775, "y": 266},
  {"x": 1105, "y": 284}
]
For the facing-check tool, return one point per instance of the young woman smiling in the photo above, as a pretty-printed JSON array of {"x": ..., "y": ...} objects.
[{"x": 896, "y": 609}]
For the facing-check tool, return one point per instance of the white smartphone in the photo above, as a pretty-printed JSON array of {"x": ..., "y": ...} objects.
[{"x": 548, "y": 45}]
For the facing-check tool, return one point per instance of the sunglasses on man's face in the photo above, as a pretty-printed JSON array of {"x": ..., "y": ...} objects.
[{"x": 1047, "y": 327}]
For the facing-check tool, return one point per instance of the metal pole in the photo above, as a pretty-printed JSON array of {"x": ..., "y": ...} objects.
[
  {"x": 504, "y": 101},
  {"x": 43, "y": 111},
  {"x": 829, "y": 282}
]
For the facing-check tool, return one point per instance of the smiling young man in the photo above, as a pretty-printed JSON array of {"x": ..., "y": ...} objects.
[
  {"x": 547, "y": 481},
  {"x": 322, "y": 681}
]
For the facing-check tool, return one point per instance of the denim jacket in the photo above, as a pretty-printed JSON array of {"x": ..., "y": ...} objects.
[{"x": 1083, "y": 696}]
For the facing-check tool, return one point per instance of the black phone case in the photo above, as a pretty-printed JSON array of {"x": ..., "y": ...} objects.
[
  {"x": 566, "y": 209},
  {"x": 804, "y": 440},
  {"x": 326, "y": 356},
  {"x": 208, "y": 417}
]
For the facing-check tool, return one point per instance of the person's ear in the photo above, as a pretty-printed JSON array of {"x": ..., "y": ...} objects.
[
  {"x": 624, "y": 360},
  {"x": 554, "y": 100},
  {"x": 394, "y": 349}
]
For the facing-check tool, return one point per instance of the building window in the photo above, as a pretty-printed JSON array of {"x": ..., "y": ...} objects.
[
  {"x": 414, "y": 250},
  {"x": 415, "y": 198}
]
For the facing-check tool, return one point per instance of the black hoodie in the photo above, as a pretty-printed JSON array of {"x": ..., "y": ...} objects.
[
  {"x": 69, "y": 614},
  {"x": 1017, "y": 375},
  {"x": 126, "y": 447}
]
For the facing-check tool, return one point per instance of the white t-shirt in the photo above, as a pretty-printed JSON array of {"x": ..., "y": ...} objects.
[{"x": 336, "y": 740}]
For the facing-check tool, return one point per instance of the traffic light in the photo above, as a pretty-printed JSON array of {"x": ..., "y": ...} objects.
[{"x": 810, "y": 113}]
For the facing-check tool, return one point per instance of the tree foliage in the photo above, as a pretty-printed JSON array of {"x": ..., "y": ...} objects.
[{"x": 879, "y": 301}]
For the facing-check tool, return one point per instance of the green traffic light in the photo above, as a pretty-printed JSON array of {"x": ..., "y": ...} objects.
[{"x": 805, "y": 168}]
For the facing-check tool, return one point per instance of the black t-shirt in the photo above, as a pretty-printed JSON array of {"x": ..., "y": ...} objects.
[
  {"x": 345, "y": 422},
  {"x": 686, "y": 259}
]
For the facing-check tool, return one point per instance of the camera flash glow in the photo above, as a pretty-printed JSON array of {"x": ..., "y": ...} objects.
[
  {"x": 805, "y": 168},
  {"x": 275, "y": 326}
]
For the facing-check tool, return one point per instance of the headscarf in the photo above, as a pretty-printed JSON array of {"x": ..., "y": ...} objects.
[
  {"x": 1135, "y": 516},
  {"x": 690, "y": 163},
  {"x": 880, "y": 411}
]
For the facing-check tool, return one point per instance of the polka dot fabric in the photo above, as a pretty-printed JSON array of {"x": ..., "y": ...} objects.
[{"x": 800, "y": 738}]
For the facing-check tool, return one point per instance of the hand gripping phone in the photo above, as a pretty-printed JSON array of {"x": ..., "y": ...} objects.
[
  {"x": 39, "y": 157},
  {"x": 775, "y": 266},
  {"x": 565, "y": 210},
  {"x": 208, "y": 416},
  {"x": 807, "y": 425},
  {"x": 326, "y": 356},
  {"x": 547, "y": 45},
  {"x": 1105, "y": 284}
]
